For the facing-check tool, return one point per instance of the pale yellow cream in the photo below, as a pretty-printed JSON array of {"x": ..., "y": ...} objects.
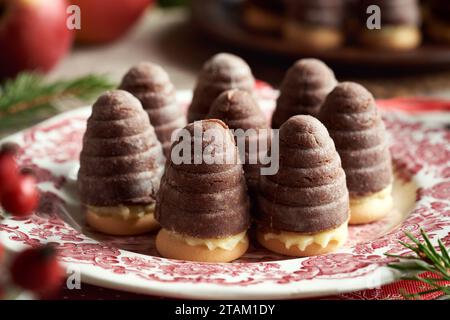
[
  {"x": 125, "y": 212},
  {"x": 302, "y": 241},
  {"x": 228, "y": 243},
  {"x": 381, "y": 195}
]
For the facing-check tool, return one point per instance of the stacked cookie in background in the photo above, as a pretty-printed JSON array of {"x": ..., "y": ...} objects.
[
  {"x": 333, "y": 162},
  {"x": 329, "y": 24}
]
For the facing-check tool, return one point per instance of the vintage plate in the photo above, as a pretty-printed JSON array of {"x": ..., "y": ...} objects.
[{"x": 421, "y": 154}]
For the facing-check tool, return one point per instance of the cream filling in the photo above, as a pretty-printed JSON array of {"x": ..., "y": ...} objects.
[
  {"x": 124, "y": 212},
  {"x": 302, "y": 241},
  {"x": 380, "y": 195},
  {"x": 228, "y": 243}
]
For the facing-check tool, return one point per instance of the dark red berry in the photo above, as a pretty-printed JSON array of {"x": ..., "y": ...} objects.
[
  {"x": 10, "y": 147},
  {"x": 37, "y": 269},
  {"x": 2, "y": 253},
  {"x": 9, "y": 170},
  {"x": 21, "y": 198}
]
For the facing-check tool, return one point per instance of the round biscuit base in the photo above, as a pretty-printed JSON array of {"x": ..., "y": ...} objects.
[
  {"x": 369, "y": 209},
  {"x": 278, "y": 246},
  {"x": 392, "y": 38},
  {"x": 316, "y": 38},
  {"x": 172, "y": 247},
  {"x": 117, "y": 226}
]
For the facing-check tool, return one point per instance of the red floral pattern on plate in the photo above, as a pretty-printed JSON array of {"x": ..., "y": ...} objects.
[{"x": 420, "y": 152}]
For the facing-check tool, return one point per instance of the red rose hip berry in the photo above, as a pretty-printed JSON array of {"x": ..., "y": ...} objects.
[
  {"x": 37, "y": 269},
  {"x": 22, "y": 197},
  {"x": 9, "y": 169},
  {"x": 2, "y": 253}
]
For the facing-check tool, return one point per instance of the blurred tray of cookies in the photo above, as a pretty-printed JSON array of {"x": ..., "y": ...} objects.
[{"x": 400, "y": 33}]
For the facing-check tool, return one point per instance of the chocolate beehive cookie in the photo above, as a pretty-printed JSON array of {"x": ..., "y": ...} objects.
[
  {"x": 121, "y": 164},
  {"x": 400, "y": 24},
  {"x": 239, "y": 110},
  {"x": 203, "y": 204},
  {"x": 354, "y": 122},
  {"x": 303, "y": 90},
  {"x": 315, "y": 24},
  {"x": 222, "y": 72},
  {"x": 304, "y": 208},
  {"x": 151, "y": 85}
]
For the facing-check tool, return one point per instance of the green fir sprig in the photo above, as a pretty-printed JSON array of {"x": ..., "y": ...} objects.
[
  {"x": 29, "y": 96},
  {"x": 425, "y": 258}
]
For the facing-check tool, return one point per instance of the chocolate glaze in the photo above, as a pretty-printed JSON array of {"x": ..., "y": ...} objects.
[
  {"x": 393, "y": 12},
  {"x": 152, "y": 86},
  {"x": 308, "y": 194},
  {"x": 222, "y": 72},
  {"x": 239, "y": 110},
  {"x": 303, "y": 90},
  {"x": 205, "y": 200},
  {"x": 326, "y": 13},
  {"x": 354, "y": 122},
  {"x": 121, "y": 161}
]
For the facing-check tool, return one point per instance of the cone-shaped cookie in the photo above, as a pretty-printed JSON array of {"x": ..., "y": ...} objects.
[
  {"x": 399, "y": 21},
  {"x": 354, "y": 122},
  {"x": 203, "y": 205},
  {"x": 121, "y": 164},
  {"x": 239, "y": 110},
  {"x": 151, "y": 85},
  {"x": 304, "y": 208},
  {"x": 315, "y": 24},
  {"x": 222, "y": 72},
  {"x": 303, "y": 90}
]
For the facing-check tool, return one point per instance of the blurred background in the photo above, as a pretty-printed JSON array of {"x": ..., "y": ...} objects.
[{"x": 46, "y": 68}]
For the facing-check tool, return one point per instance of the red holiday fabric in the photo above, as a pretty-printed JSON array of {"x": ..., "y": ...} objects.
[{"x": 393, "y": 291}]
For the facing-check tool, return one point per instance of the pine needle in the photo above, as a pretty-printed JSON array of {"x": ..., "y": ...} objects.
[
  {"x": 28, "y": 97},
  {"x": 426, "y": 258}
]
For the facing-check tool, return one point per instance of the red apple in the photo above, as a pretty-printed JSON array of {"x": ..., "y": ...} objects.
[
  {"x": 106, "y": 20},
  {"x": 33, "y": 35}
]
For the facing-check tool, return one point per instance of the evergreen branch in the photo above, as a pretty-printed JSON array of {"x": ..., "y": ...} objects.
[
  {"x": 28, "y": 95},
  {"x": 426, "y": 258}
]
